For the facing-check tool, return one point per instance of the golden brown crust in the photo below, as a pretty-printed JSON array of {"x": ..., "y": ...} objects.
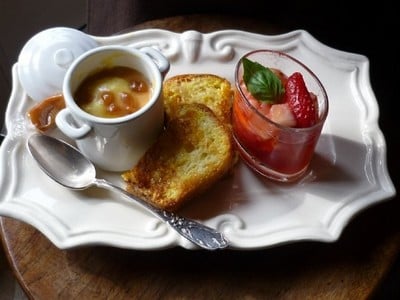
[
  {"x": 195, "y": 150},
  {"x": 209, "y": 89},
  {"x": 192, "y": 153}
]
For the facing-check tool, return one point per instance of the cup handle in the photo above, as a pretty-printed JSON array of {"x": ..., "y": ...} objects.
[
  {"x": 66, "y": 123},
  {"x": 160, "y": 60}
]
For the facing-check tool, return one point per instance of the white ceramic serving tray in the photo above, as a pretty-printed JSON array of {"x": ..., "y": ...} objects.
[{"x": 347, "y": 175}]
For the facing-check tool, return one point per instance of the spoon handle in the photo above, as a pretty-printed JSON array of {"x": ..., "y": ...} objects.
[{"x": 198, "y": 233}]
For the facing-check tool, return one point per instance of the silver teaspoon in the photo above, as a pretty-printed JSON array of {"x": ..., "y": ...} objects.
[{"x": 69, "y": 167}]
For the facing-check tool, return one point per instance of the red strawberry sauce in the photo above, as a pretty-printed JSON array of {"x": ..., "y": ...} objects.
[{"x": 278, "y": 151}]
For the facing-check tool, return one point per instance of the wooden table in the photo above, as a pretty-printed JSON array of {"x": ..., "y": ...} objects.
[{"x": 351, "y": 268}]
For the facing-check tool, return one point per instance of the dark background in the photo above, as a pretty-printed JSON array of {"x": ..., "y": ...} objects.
[{"x": 368, "y": 29}]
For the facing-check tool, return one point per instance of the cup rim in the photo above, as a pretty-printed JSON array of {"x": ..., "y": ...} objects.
[
  {"x": 323, "y": 117},
  {"x": 68, "y": 95}
]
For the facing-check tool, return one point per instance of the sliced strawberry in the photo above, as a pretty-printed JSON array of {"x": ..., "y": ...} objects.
[{"x": 300, "y": 101}]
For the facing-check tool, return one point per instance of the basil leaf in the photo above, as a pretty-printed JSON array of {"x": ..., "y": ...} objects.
[{"x": 261, "y": 82}]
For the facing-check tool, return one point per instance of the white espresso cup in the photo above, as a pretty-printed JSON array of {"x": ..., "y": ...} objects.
[{"x": 117, "y": 143}]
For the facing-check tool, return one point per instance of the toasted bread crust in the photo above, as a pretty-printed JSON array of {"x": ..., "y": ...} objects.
[
  {"x": 193, "y": 152},
  {"x": 209, "y": 89}
]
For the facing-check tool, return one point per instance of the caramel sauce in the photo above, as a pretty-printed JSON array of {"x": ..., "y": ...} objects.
[
  {"x": 113, "y": 92},
  {"x": 43, "y": 114}
]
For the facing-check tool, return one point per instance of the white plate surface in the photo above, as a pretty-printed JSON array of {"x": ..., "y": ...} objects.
[{"x": 348, "y": 174}]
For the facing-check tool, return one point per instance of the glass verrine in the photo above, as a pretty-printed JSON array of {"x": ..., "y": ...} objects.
[{"x": 271, "y": 148}]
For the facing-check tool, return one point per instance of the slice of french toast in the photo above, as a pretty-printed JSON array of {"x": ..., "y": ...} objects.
[
  {"x": 191, "y": 154},
  {"x": 209, "y": 89}
]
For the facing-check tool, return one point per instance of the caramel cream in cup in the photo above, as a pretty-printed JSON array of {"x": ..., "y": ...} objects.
[{"x": 114, "y": 144}]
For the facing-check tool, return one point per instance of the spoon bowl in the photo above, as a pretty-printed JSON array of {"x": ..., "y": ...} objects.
[
  {"x": 62, "y": 162},
  {"x": 67, "y": 166}
]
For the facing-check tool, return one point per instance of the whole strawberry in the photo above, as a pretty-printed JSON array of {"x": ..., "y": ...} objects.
[{"x": 302, "y": 103}]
